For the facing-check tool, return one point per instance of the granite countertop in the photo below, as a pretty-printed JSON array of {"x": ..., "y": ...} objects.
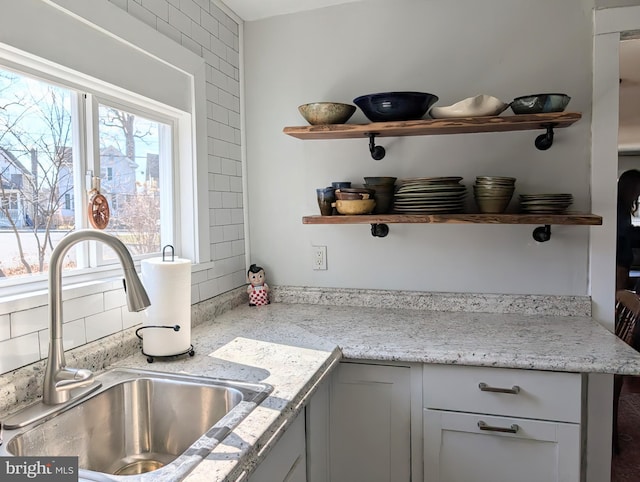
[
  {"x": 294, "y": 347},
  {"x": 294, "y": 343}
]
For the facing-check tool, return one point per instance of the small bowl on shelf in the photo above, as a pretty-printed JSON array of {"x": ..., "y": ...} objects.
[
  {"x": 347, "y": 194},
  {"x": 540, "y": 103},
  {"x": 352, "y": 207},
  {"x": 322, "y": 113},
  {"x": 395, "y": 106}
]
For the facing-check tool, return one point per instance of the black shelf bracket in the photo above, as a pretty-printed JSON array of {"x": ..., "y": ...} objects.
[
  {"x": 379, "y": 230},
  {"x": 377, "y": 152},
  {"x": 542, "y": 233},
  {"x": 545, "y": 141}
]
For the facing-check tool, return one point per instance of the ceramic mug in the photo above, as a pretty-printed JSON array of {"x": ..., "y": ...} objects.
[{"x": 326, "y": 196}]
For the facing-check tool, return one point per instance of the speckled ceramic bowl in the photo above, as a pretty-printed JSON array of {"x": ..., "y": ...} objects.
[
  {"x": 540, "y": 103},
  {"x": 320, "y": 113}
]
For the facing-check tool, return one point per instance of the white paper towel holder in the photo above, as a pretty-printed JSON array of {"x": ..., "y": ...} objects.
[{"x": 189, "y": 350}]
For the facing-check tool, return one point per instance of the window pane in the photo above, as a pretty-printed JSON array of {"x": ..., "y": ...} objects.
[
  {"x": 36, "y": 172},
  {"x": 131, "y": 150}
]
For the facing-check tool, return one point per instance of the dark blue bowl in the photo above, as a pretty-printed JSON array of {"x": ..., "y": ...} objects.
[{"x": 395, "y": 106}]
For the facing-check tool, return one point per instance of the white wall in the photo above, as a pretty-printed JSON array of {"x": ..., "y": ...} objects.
[{"x": 454, "y": 50}]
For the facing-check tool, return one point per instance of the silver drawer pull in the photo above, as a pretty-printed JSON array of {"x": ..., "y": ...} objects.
[
  {"x": 490, "y": 428},
  {"x": 486, "y": 388}
]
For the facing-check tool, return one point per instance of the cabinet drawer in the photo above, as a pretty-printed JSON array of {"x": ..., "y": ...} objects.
[
  {"x": 536, "y": 394},
  {"x": 506, "y": 450}
]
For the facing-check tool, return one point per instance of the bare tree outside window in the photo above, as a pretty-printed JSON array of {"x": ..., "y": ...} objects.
[
  {"x": 38, "y": 204},
  {"x": 131, "y": 177},
  {"x": 36, "y": 170}
]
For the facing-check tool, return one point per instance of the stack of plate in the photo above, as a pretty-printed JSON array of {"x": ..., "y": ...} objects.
[
  {"x": 545, "y": 203},
  {"x": 430, "y": 195},
  {"x": 493, "y": 193}
]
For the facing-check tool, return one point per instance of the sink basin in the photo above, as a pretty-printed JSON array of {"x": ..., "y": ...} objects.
[{"x": 140, "y": 422}]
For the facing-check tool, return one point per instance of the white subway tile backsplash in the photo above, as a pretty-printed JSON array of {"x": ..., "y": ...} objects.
[
  {"x": 130, "y": 319},
  {"x": 220, "y": 148},
  {"x": 222, "y": 250},
  {"x": 215, "y": 165},
  {"x": 142, "y": 14},
  {"x": 230, "y": 232},
  {"x": 215, "y": 200},
  {"x": 195, "y": 295},
  {"x": 221, "y": 182},
  {"x": 209, "y": 23},
  {"x": 169, "y": 30},
  {"x": 237, "y": 216},
  {"x": 160, "y": 9},
  {"x": 191, "y": 9},
  {"x": 191, "y": 44},
  {"x": 229, "y": 200},
  {"x": 216, "y": 234},
  {"x": 229, "y": 101},
  {"x": 18, "y": 352},
  {"x": 237, "y": 247},
  {"x": 29, "y": 321},
  {"x": 82, "y": 307},
  {"x": 208, "y": 289},
  {"x": 114, "y": 299},
  {"x": 103, "y": 324},
  {"x": 179, "y": 20},
  {"x": 226, "y": 283},
  {"x": 73, "y": 335},
  {"x": 235, "y": 183},
  {"x": 235, "y": 151},
  {"x": 226, "y": 35},
  {"x": 218, "y": 47},
  {"x": 229, "y": 167},
  {"x": 226, "y": 133},
  {"x": 200, "y": 35},
  {"x": 222, "y": 216},
  {"x": 220, "y": 114},
  {"x": 5, "y": 327}
]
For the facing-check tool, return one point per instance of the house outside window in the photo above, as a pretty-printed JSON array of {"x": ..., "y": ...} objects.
[{"x": 45, "y": 166}]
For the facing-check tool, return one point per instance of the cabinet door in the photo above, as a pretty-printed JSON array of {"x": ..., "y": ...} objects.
[
  {"x": 370, "y": 423},
  {"x": 286, "y": 462},
  {"x": 457, "y": 450}
]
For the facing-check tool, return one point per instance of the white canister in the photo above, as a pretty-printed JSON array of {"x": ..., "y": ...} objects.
[{"x": 168, "y": 284}]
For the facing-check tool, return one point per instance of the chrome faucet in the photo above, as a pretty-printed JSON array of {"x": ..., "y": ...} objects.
[{"x": 60, "y": 379}]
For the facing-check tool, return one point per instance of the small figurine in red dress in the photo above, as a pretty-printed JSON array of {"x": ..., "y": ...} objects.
[{"x": 257, "y": 290}]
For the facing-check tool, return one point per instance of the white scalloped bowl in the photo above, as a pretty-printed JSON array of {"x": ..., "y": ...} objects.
[{"x": 480, "y": 105}]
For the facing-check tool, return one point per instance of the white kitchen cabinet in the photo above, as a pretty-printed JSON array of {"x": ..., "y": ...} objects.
[
  {"x": 370, "y": 423},
  {"x": 286, "y": 462},
  {"x": 501, "y": 425}
]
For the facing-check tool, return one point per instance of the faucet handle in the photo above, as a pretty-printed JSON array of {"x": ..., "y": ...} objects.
[{"x": 70, "y": 378}]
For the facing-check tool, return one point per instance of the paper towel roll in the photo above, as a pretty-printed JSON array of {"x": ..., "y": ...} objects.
[{"x": 168, "y": 284}]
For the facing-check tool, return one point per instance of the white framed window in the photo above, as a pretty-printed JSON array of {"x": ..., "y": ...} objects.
[
  {"x": 137, "y": 68},
  {"x": 55, "y": 135}
]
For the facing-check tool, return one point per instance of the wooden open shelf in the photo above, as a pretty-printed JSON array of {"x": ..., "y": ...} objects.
[
  {"x": 465, "y": 125},
  {"x": 576, "y": 219}
]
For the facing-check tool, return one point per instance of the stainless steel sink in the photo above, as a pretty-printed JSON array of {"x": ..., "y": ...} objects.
[{"x": 140, "y": 422}]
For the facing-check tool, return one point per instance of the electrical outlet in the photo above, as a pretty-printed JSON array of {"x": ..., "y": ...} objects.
[{"x": 319, "y": 257}]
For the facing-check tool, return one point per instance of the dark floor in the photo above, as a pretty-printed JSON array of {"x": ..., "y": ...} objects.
[{"x": 625, "y": 467}]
